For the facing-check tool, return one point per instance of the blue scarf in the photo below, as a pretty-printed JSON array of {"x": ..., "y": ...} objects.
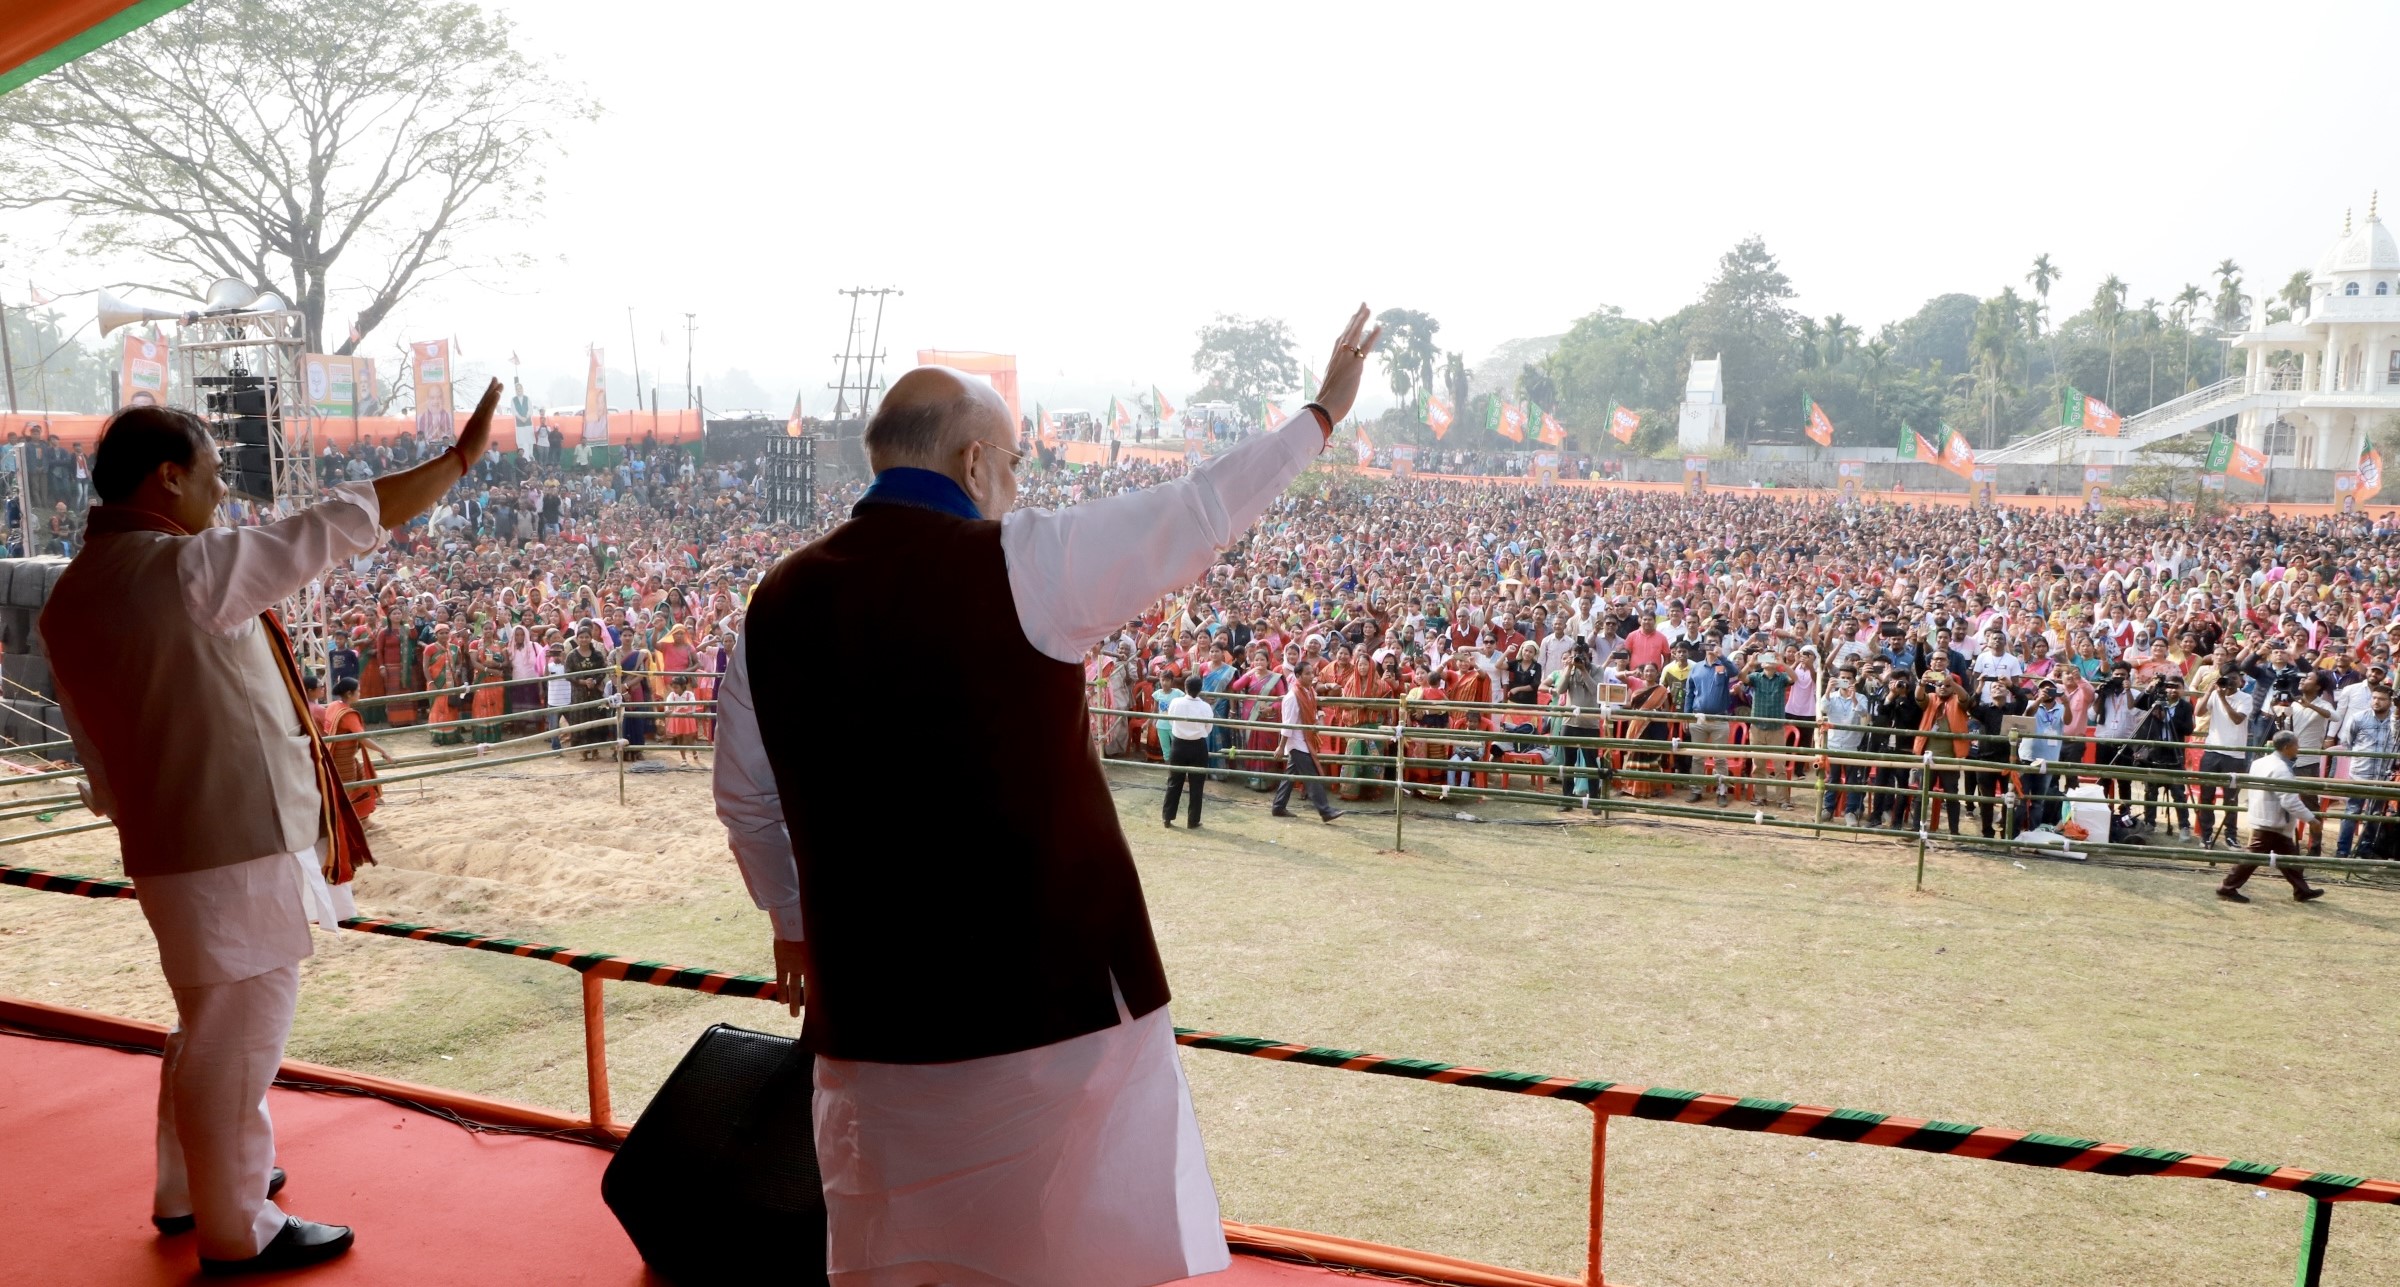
[{"x": 923, "y": 488}]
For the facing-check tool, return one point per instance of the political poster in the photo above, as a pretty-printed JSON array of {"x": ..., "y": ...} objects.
[
  {"x": 1695, "y": 475},
  {"x": 2345, "y": 492},
  {"x": 332, "y": 386},
  {"x": 595, "y": 401},
  {"x": 432, "y": 377},
  {"x": 1545, "y": 467},
  {"x": 2095, "y": 487},
  {"x": 1404, "y": 460},
  {"x": 142, "y": 373},
  {"x": 1983, "y": 485},
  {"x": 1850, "y": 478}
]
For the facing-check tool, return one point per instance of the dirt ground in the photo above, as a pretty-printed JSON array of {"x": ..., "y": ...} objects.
[{"x": 2118, "y": 1003}]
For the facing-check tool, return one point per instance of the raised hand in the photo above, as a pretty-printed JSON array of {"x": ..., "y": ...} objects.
[
  {"x": 1347, "y": 365},
  {"x": 478, "y": 434}
]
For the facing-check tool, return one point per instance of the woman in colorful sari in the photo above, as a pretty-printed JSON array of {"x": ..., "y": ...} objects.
[
  {"x": 350, "y": 757},
  {"x": 633, "y": 689},
  {"x": 441, "y": 676},
  {"x": 487, "y": 663}
]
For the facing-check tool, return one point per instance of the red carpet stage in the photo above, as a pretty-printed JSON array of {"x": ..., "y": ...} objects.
[{"x": 433, "y": 1202}]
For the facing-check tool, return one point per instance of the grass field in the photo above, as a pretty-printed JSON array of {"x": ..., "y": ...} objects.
[{"x": 2119, "y": 1003}]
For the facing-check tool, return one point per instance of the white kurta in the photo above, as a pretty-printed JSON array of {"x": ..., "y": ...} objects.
[{"x": 1076, "y": 1164}]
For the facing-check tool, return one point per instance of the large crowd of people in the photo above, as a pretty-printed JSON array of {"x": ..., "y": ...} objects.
[{"x": 1719, "y": 626}]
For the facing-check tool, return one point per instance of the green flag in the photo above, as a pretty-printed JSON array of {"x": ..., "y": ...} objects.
[
  {"x": 2220, "y": 455},
  {"x": 1491, "y": 413},
  {"x": 2070, "y": 405},
  {"x": 1908, "y": 444},
  {"x": 1308, "y": 385}
]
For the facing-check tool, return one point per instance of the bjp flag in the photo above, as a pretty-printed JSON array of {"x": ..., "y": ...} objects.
[
  {"x": 1269, "y": 415},
  {"x": 1505, "y": 419},
  {"x": 1623, "y": 423},
  {"x": 1044, "y": 427},
  {"x": 2370, "y": 474},
  {"x": 1957, "y": 456},
  {"x": 2248, "y": 463},
  {"x": 1437, "y": 415},
  {"x": 1159, "y": 397},
  {"x": 1366, "y": 449},
  {"x": 1552, "y": 433},
  {"x": 2100, "y": 418},
  {"x": 1820, "y": 429}
]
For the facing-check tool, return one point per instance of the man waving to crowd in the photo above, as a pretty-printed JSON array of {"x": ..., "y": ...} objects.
[
  {"x": 190, "y": 717},
  {"x": 998, "y": 1099}
]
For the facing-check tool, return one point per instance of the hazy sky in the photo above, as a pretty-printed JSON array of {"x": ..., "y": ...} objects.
[{"x": 1085, "y": 185}]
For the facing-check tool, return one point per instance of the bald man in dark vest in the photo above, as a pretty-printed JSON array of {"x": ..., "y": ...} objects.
[{"x": 998, "y": 1099}]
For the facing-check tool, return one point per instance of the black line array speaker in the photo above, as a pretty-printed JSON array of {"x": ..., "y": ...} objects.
[
  {"x": 791, "y": 479},
  {"x": 717, "y": 1183}
]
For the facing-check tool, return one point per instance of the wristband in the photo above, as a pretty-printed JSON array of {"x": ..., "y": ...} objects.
[{"x": 1324, "y": 420}]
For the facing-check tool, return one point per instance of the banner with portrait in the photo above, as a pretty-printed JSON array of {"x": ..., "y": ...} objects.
[
  {"x": 142, "y": 373},
  {"x": 1983, "y": 485},
  {"x": 1404, "y": 459},
  {"x": 432, "y": 378},
  {"x": 2095, "y": 487},
  {"x": 2345, "y": 492},
  {"x": 1545, "y": 467},
  {"x": 332, "y": 384},
  {"x": 1695, "y": 475},
  {"x": 1850, "y": 478}
]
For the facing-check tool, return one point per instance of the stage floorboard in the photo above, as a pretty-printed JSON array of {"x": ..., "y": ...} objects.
[{"x": 432, "y": 1201}]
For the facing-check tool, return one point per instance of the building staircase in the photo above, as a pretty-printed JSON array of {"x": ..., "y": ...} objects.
[{"x": 2069, "y": 443}]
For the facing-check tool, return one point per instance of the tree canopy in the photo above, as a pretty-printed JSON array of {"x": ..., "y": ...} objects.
[
  {"x": 346, "y": 150},
  {"x": 1242, "y": 360}
]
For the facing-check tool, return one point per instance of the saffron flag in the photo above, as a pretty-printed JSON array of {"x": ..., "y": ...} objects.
[
  {"x": 1820, "y": 429},
  {"x": 796, "y": 426},
  {"x": 1118, "y": 416},
  {"x": 1044, "y": 428},
  {"x": 1623, "y": 422},
  {"x": 2094, "y": 416},
  {"x": 1505, "y": 419},
  {"x": 1159, "y": 397},
  {"x": 1957, "y": 456},
  {"x": 2370, "y": 474},
  {"x": 1437, "y": 415},
  {"x": 1269, "y": 415},
  {"x": 595, "y": 403},
  {"x": 432, "y": 360},
  {"x": 2225, "y": 456},
  {"x": 1366, "y": 449},
  {"x": 1552, "y": 433}
]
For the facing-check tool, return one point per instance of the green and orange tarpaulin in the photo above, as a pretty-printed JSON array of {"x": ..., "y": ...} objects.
[{"x": 42, "y": 35}]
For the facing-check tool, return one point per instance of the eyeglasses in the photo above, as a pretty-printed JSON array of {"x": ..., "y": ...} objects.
[{"x": 1016, "y": 459}]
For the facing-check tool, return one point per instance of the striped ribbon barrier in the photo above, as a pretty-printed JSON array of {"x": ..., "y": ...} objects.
[
  {"x": 1606, "y": 1099},
  {"x": 1845, "y": 1125}
]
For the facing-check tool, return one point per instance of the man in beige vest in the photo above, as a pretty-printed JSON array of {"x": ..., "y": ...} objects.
[{"x": 181, "y": 694}]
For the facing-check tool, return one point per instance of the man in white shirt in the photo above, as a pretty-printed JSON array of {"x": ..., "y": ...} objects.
[
  {"x": 2275, "y": 813},
  {"x": 1996, "y": 661},
  {"x": 1187, "y": 748},
  {"x": 1300, "y": 745},
  {"x": 2225, "y": 749}
]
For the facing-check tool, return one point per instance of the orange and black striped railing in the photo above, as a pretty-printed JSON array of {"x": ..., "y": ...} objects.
[{"x": 1605, "y": 1099}]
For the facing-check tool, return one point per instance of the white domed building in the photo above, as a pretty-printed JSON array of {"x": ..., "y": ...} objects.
[{"x": 2321, "y": 382}]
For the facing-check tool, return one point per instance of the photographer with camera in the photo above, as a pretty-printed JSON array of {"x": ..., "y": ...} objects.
[
  {"x": 1948, "y": 717},
  {"x": 2225, "y": 751},
  {"x": 1576, "y": 686},
  {"x": 2166, "y": 717}
]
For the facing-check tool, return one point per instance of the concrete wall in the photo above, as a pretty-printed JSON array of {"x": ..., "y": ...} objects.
[{"x": 2297, "y": 486}]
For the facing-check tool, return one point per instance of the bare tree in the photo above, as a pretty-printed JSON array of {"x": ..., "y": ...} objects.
[{"x": 272, "y": 140}]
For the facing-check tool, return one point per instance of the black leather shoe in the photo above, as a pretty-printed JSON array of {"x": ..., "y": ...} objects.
[
  {"x": 301, "y": 1243},
  {"x": 2232, "y": 895},
  {"x": 1337, "y": 813},
  {"x": 2304, "y": 895},
  {"x": 170, "y": 1226},
  {"x": 1279, "y": 813}
]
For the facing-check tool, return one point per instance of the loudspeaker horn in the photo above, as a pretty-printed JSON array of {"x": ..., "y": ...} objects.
[
  {"x": 267, "y": 302},
  {"x": 228, "y": 295},
  {"x": 115, "y": 312}
]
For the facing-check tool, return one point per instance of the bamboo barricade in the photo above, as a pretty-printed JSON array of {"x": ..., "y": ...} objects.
[{"x": 1605, "y": 1100}]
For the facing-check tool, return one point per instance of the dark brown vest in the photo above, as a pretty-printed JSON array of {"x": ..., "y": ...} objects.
[{"x": 964, "y": 884}]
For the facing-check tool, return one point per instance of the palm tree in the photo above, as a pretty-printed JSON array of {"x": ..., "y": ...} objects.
[
  {"x": 1992, "y": 351},
  {"x": 1839, "y": 335},
  {"x": 1808, "y": 343},
  {"x": 2187, "y": 302},
  {"x": 1879, "y": 359},
  {"x": 2043, "y": 275},
  {"x": 2295, "y": 291},
  {"x": 2229, "y": 295},
  {"x": 2108, "y": 308}
]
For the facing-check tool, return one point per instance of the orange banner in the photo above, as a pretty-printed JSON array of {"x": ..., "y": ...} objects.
[{"x": 142, "y": 372}]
